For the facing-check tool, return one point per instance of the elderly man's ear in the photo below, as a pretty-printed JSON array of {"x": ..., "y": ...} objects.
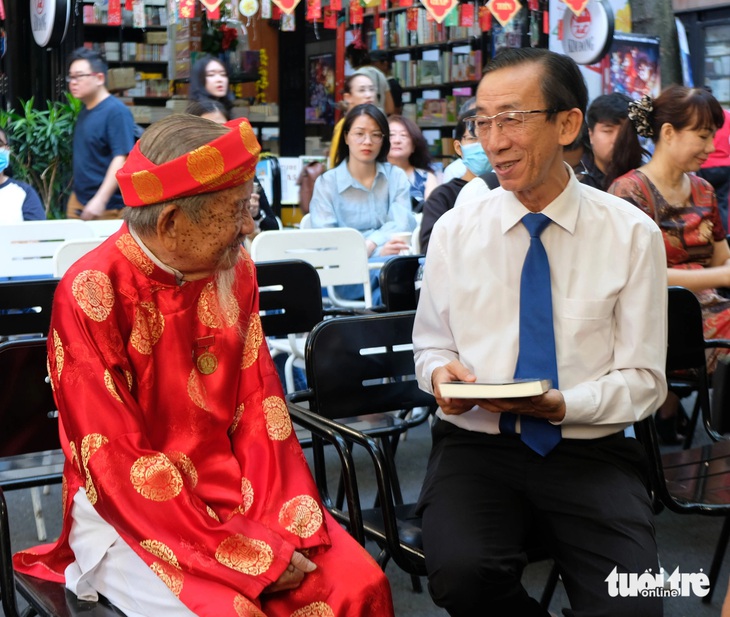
[
  {"x": 571, "y": 122},
  {"x": 168, "y": 226}
]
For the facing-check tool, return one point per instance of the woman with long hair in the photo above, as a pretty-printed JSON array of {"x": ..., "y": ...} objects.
[
  {"x": 209, "y": 81},
  {"x": 358, "y": 90},
  {"x": 409, "y": 151},
  {"x": 364, "y": 191},
  {"x": 681, "y": 123}
]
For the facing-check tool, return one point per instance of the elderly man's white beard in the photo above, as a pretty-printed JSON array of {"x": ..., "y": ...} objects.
[{"x": 224, "y": 283}]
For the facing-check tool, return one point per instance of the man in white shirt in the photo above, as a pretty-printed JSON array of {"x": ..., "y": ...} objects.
[{"x": 486, "y": 490}]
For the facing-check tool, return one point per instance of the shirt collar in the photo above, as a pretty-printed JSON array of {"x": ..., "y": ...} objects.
[
  {"x": 176, "y": 273},
  {"x": 345, "y": 180},
  {"x": 563, "y": 210}
]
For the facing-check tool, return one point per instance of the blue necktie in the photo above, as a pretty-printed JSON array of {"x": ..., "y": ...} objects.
[{"x": 536, "y": 359}]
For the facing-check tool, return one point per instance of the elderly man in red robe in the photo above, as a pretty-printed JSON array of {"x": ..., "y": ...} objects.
[{"x": 185, "y": 489}]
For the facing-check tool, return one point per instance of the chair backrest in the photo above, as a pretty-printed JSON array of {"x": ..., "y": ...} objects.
[
  {"x": 398, "y": 282},
  {"x": 103, "y": 228},
  {"x": 70, "y": 251},
  {"x": 27, "y": 410},
  {"x": 338, "y": 254},
  {"x": 290, "y": 297},
  {"x": 686, "y": 342},
  {"x": 363, "y": 364},
  {"x": 25, "y": 306},
  {"x": 306, "y": 222},
  {"x": 27, "y": 249}
]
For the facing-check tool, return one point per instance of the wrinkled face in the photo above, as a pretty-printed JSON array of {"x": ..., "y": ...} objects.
[
  {"x": 216, "y": 79},
  {"x": 214, "y": 243},
  {"x": 691, "y": 147},
  {"x": 364, "y": 139},
  {"x": 527, "y": 157},
  {"x": 362, "y": 91},
  {"x": 401, "y": 144},
  {"x": 603, "y": 137},
  {"x": 83, "y": 83}
]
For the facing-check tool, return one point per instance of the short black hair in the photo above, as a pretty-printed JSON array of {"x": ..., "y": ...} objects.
[
  {"x": 608, "y": 109},
  {"x": 561, "y": 83},
  {"x": 94, "y": 58},
  {"x": 205, "y": 106},
  {"x": 460, "y": 129}
]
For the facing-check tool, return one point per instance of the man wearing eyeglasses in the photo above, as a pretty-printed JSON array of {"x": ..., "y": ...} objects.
[
  {"x": 103, "y": 136},
  {"x": 544, "y": 278}
]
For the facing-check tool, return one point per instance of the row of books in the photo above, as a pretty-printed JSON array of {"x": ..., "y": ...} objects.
[
  {"x": 131, "y": 52},
  {"x": 98, "y": 14},
  {"x": 414, "y": 28},
  {"x": 449, "y": 68}
]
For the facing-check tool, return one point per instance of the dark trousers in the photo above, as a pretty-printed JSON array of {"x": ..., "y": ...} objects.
[
  {"x": 719, "y": 178},
  {"x": 486, "y": 497}
]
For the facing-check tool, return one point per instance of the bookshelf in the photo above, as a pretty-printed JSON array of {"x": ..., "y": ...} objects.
[{"x": 438, "y": 66}]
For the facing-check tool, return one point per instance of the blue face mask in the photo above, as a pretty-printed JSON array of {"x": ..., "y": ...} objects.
[
  {"x": 4, "y": 159},
  {"x": 475, "y": 158}
]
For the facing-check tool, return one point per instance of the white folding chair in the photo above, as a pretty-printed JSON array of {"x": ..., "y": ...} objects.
[
  {"x": 70, "y": 251},
  {"x": 103, "y": 228},
  {"x": 306, "y": 222},
  {"x": 339, "y": 255},
  {"x": 27, "y": 249}
]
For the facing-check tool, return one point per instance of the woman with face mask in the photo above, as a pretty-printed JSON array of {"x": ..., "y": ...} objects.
[
  {"x": 18, "y": 201},
  {"x": 443, "y": 197}
]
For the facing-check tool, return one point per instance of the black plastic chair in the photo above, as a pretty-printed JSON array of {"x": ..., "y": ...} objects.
[
  {"x": 359, "y": 366},
  {"x": 398, "y": 283},
  {"x": 25, "y": 307},
  {"x": 686, "y": 356},
  {"x": 30, "y": 456}
]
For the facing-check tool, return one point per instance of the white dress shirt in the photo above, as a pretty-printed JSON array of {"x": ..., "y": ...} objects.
[{"x": 609, "y": 290}]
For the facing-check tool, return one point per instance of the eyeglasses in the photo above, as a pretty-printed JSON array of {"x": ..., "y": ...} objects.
[
  {"x": 360, "y": 138},
  {"x": 508, "y": 122},
  {"x": 70, "y": 78}
]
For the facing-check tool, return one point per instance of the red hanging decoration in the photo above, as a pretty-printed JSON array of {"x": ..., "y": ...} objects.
[
  {"x": 466, "y": 15},
  {"x": 485, "y": 19},
  {"x": 330, "y": 19},
  {"x": 114, "y": 14},
  {"x": 186, "y": 10}
]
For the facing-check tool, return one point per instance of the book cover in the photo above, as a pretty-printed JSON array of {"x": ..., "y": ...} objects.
[{"x": 509, "y": 389}]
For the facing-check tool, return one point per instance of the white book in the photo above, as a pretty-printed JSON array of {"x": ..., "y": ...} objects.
[{"x": 507, "y": 389}]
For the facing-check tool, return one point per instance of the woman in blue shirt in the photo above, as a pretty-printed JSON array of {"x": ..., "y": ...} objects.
[{"x": 364, "y": 191}]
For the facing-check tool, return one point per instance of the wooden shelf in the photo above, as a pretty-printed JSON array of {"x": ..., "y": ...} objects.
[{"x": 450, "y": 84}]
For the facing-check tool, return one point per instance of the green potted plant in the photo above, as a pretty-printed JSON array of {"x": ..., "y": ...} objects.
[{"x": 42, "y": 148}]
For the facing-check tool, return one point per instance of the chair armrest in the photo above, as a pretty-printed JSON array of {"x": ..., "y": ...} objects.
[
  {"x": 721, "y": 343},
  {"x": 328, "y": 431},
  {"x": 315, "y": 422}
]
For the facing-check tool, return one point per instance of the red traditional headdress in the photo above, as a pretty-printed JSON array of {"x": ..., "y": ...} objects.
[{"x": 225, "y": 162}]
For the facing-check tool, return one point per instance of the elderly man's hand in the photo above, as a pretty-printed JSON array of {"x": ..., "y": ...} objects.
[
  {"x": 293, "y": 576},
  {"x": 453, "y": 371}
]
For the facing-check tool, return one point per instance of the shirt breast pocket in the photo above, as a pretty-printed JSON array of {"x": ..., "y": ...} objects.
[{"x": 587, "y": 331}]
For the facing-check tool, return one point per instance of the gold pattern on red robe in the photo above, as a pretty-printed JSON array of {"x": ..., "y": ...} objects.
[
  {"x": 316, "y": 609},
  {"x": 301, "y": 516},
  {"x": 245, "y": 608},
  {"x": 156, "y": 478},
  {"x": 246, "y": 494},
  {"x": 131, "y": 250},
  {"x": 196, "y": 389},
  {"x": 89, "y": 446},
  {"x": 236, "y": 419},
  {"x": 278, "y": 422},
  {"x": 254, "y": 338},
  {"x": 185, "y": 466},
  {"x": 168, "y": 568},
  {"x": 110, "y": 385},
  {"x": 210, "y": 312},
  {"x": 58, "y": 354},
  {"x": 94, "y": 293},
  {"x": 244, "y": 554},
  {"x": 148, "y": 327}
]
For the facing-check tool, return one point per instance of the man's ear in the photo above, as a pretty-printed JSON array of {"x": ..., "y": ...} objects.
[
  {"x": 168, "y": 226},
  {"x": 457, "y": 148},
  {"x": 571, "y": 122}
]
